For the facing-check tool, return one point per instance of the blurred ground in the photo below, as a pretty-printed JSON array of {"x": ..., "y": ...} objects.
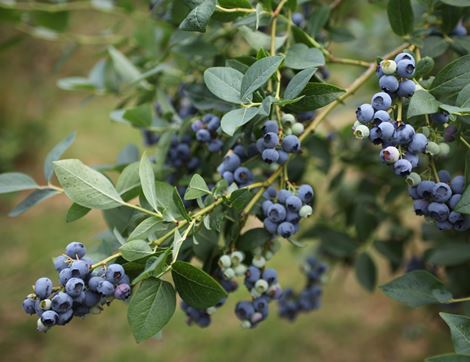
[{"x": 351, "y": 326}]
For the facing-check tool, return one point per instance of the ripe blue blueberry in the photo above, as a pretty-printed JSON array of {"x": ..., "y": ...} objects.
[
  {"x": 406, "y": 68},
  {"x": 458, "y": 184},
  {"x": 283, "y": 157},
  {"x": 286, "y": 229},
  {"x": 440, "y": 117},
  {"x": 438, "y": 211},
  {"x": 298, "y": 19},
  {"x": 404, "y": 134},
  {"x": 49, "y": 318},
  {"x": 418, "y": 143},
  {"x": 231, "y": 162},
  {"x": 79, "y": 269},
  {"x": 459, "y": 30},
  {"x": 122, "y": 291},
  {"x": 277, "y": 213},
  {"x": 43, "y": 288},
  {"x": 213, "y": 124},
  {"x": 197, "y": 125},
  {"x": 412, "y": 158},
  {"x": 270, "y": 193},
  {"x": 365, "y": 113},
  {"x": 266, "y": 205},
  {"x": 105, "y": 288},
  {"x": 270, "y": 140},
  {"x": 425, "y": 189},
  {"x": 228, "y": 176},
  {"x": 75, "y": 250},
  {"x": 306, "y": 193},
  {"x": 381, "y": 101},
  {"x": 270, "y": 126},
  {"x": 65, "y": 275},
  {"x": 421, "y": 207},
  {"x": 244, "y": 310},
  {"x": 270, "y": 226},
  {"x": 91, "y": 298},
  {"x": 293, "y": 203},
  {"x": 402, "y": 167},
  {"x": 389, "y": 83},
  {"x": 291, "y": 144},
  {"x": 65, "y": 317},
  {"x": 74, "y": 287},
  {"x": 215, "y": 145},
  {"x": 261, "y": 305},
  {"x": 203, "y": 135},
  {"x": 243, "y": 176},
  {"x": 441, "y": 192},
  {"x": 94, "y": 282},
  {"x": 252, "y": 275},
  {"x": 62, "y": 302},
  {"x": 114, "y": 273},
  {"x": 270, "y": 275},
  {"x": 270, "y": 155},
  {"x": 455, "y": 217},
  {"x": 283, "y": 195},
  {"x": 413, "y": 192},
  {"x": 60, "y": 262},
  {"x": 293, "y": 216},
  {"x": 403, "y": 56},
  {"x": 407, "y": 88},
  {"x": 381, "y": 116},
  {"x": 260, "y": 145},
  {"x": 454, "y": 200},
  {"x": 385, "y": 131},
  {"x": 29, "y": 306}
]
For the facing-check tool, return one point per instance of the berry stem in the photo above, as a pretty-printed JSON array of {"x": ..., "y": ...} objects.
[
  {"x": 145, "y": 211},
  {"x": 465, "y": 142},
  {"x": 459, "y": 300},
  {"x": 434, "y": 169},
  {"x": 235, "y": 10}
]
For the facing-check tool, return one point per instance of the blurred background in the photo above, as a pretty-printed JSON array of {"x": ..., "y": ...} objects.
[{"x": 352, "y": 324}]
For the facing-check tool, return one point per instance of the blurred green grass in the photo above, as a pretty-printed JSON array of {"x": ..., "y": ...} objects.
[{"x": 351, "y": 326}]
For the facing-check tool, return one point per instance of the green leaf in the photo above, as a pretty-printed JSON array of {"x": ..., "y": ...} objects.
[
  {"x": 15, "y": 181},
  {"x": 149, "y": 226},
  {"x": 233, "y": 120},
  {"x": 252, "y": 239},
  {"x": 225, "y": 83},
  {"x": 300, "y": 56},
  {"x": 366, "y": 271},
  {"x": 75, "y": 84},
  {"x": 452, "y": 78},
  {"x": 240, "y": 198},
  {"x": 434, "y": 46},
  {"x": 129, "y": 179},
  {"x": 170, "y": 202},
  {"x": 196, "y": 287},
  {"x": 140, "y": 116},
  {"x": 151, "y": 308},
  {"x": 460, "y": 330},
  {"x": 422, "y": 102},
  {"x": 128, "y": 72},
  {"x": 147, "y": 180},
  {"x": 424, "y": 67},
  {"x": 31, "y": 200},
  {"x": 318, "y": 19},
  {"x": 316, "y": 95},
  {"x": 55, "y": 154},
  {"x": 400, "y": 16},
  {"x": 417, "y": 288},
  {"x": 449, "y": 357},
  {"x": 135, "y": 250},
  {"x": 76, "y": 212},
  {"x": 460, "y": 3},
  {"x": 197, "y": 188},
  {"x": 463, "y": 205},
  {"x": 449, "y": 254},
  {"x": 259, "y": 40},
  {"x": 155, "y": 267},
  {"x": 199, "y": 17},
  {"x": 85, "y": 186},
  {"x": 463, "y": 99},
  {"x": 258, "y": 74},
  {"x": 298, "y": 82}
]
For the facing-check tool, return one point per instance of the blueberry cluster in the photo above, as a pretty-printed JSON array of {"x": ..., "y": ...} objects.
[
  {"x": 284, "y": 209},
  {"x": 437, "y": 201},
  {"x": 202, "y": 317},
  {"x": 264, "y": 287},
  {"x": 206, "y": 132},
  {"x": 82, "y": 289},
  {"x": 269, "y": 145},
  {"x": 231, "y": 168},
  {"x": 291, "y": 303},
  {"x": 179, "y": 154}
]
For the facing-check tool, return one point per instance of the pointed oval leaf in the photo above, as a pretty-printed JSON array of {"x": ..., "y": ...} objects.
[
  {"x": 225, "y": 83},
  {"x": 300, "y": 56},
  {"x": 31, "y": 200},
  {"x": 233, "y": 120},
  {"x": 55, "y": 154},
  {"x": 298, "y": 82},
  {"x": 135, "y": 250},
  {"x": 147, "y": 180},
  {"x": 16, "y": 181},
  {"x": 258, "y": 74},
  {"x": 460, "y": 330}
]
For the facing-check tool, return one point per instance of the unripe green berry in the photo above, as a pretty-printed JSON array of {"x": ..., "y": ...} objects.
[
  {"x": 237, "y": 257},
  {"x": 41, "y": 327},
  {"x": 275, "y": 246},
  {"x": 45, "y": 304},
  {"x": 229, "y": 273},
  {"x": 355, "y": 125},
  {"x": 246, "y": 324},
  {"x": 261, "y": 286},
  {"x": 211, "y": 310},
  {"x": 268, "y": 255},
  {"x": 240, "y": 270},
  {"x": 298, "y": 128},
  {"x": 426, "y": 131},
  {"x": 413, "y": 179},
  {"x": 388, "y": 66},
  {"x": 444, "y": 149},
  {"x": 432, "y": 149},
  {"x": 259, "y": 261},
  {"x": 258, "y": 250},
  {"x": 254, "y": 293},
  {"x": 225, "y": 261},
  {"x": 288, "y": 131},
  {"x": 305, "y": 211},
  {"x": 361, "y": 132},
  {"x": 288, "y": 119}
]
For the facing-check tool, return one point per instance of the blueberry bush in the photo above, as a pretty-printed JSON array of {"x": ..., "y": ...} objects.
[{"x": 229, "y": 97}]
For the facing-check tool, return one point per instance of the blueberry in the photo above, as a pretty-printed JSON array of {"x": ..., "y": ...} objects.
[
  {"x": 418, "y": 143},
  {"x": 91, "y": 298},
  {"x": 306, "y": 193},
  {"x": 74, "y": 287},
  {"x": 94, "y": 282},
  {"x": 43, "y": 288},
  {"x": 459, "y": 30},
  {"x": 413, "y": 192},
  {"x": 283, "y": 195},
  {"x": 228, "y": 176},
  {"x": 270, "y": 155},
  {"x": 252, "y": 275},
  {"x": 270, "y": 193},
  {"x": 365, "y": 113},
  {"x": 379, "y": 71},
  {"x": 388, "y": 66},
  {"x": 402, "y": 167},
  {"x": 425, "y": 189},
  {"x": 49, "y": 318},
  {"x": 455, "y": 217},
  {"x": 79, "y": 269},
  {"x": 412, "y": 158},
  {"x": 406, "y": 68},
  {"x": 197, "y": 125},
  {"x": 390, "y": 154},
  {"x": 270, "y": 140},
  {"x": 277, "y": 213},
  {"x": 105, "y": 288},
  {"x": 421, "y": 207},
  {"x": 451, "y": 133},
  {"x": 407, "y": 88},
  {"x": 361, "y": 131},
  {"x": 454, "y": 200},
  {"x": 389, "y": 84},
  {"x": 458, "y": 184},
  {"x": 404, "y": 134},
  {"x": 65, "y": 317},
  {"x": 62, "y": 302},
  {"x": 266, "y": 205},
  {"x": 270, "y": 275},
  {"x": 215, "y": 145},
  {"x": 28, "y": 306},
  {"x": 270, "y": 126},
  {"x": 298, "y": 128},
  {"x": 283, "y": 157},
  {"x": 260, "y": 145},
  {"x": 438, "y": 211},
  {"x": 293, "y": 216},
  {"x": 293, "y": 203},
  {"x": 291, "y": 144},
  {"x": 440, "y": 117},
  {"x": 381, "y": 101},
  {"x": 231, "y": 162},
  {"x": 381, "y": 116},
  {"x": 114, "y": 273},
  {"x": 213, "y": 124},
  {"x": 464, "y": 225},
  {"x": 75, "y": 250},
  {"x": 270, "y": 226},
  {"x": 243, "y": 176},
  {"x": 286, "y": 229},
  {"x": 441, "y": 192},
  {"x": 375, "y": 136},
  {"x": 298, "y": 19},
  {"x": 122, "y": 291},
  {"x": 203, "y": 135},
  {"x": 305, "y": 211},
  {"x": 60, "y": 263},
  {"x": 244, "y": 310},
  {"x": 385, "y": 130},
  {"x": 261, "y": 305},
  {"x": 65, "y": 275},
  {"x": 403, "y": 56},
  {"x": 81, "y": 310},
  {"x": 444, "y": 225},
  {"x": 183, "y": 151}
]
